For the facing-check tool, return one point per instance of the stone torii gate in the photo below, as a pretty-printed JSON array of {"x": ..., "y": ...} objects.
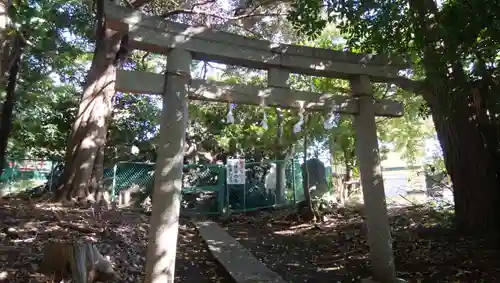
[{"x": 183, "y": 43}]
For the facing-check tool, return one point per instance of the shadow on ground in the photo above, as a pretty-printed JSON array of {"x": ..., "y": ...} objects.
[
  {"x": 25, "y": 227},
  {"x": 338, "y": 251}
]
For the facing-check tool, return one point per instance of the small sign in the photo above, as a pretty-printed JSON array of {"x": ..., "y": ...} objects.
[{"x": 235, "y": 171}]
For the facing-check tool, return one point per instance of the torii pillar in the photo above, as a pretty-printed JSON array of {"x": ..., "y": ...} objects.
[
  {"x": 375, "y": 209},
  {"x": 166, "y": 199}
]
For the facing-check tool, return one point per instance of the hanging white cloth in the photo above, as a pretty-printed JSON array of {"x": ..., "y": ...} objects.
[
  {"x": 298, "y": 126},
  {"x": 230, "y": 116},
  {"x": 264, "y": 121},
  {"x": 330, "y": 122}
]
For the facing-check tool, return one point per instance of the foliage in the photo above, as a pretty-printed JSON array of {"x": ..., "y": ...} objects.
[
  {"x": 453, "y": 49},
  {"x": 53, "y": 71},
  {"x": 451, "y": 44},
  {"x": 134, "y": 122},
  {"x": 48, "y": 77},
  {"x": 46, "y": 108},
  {"x": 407, "y": 134}
]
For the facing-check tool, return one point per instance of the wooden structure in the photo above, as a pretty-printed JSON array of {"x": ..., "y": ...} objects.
[{"x": 183, "y": 43}]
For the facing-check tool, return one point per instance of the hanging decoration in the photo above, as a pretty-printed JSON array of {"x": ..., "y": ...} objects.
[
  {"x": 298, "y": 126},
  {"x": 230, "y": 116},
  {"x": 331, "y": 121},
  {"x": 264, "y": 121},
  {"x": 134, "y": 150}
]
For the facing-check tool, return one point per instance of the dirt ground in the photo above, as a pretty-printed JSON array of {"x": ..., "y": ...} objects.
[
  {"x": 338, "y": 251},
  {"x": 26, "y": 227}
]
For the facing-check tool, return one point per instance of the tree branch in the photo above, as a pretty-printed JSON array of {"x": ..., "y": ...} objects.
[
  {"x": 417, "y": 87},
  {"x": 265, "y": 3},
  {"x": 137, "y": 3},
  {"x": 214, "y": 67},
  {"x": 203, "y": 3},
  {"x": 256, "y": 35},
  {"x": 204, "y": 70},
  {"x": 192, "y": 12},
  {"x": 128, "y": 4},
  {"x": 143, "y": 60}
]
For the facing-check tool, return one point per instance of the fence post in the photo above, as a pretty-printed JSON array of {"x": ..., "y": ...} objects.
[
  {"x": 11, "y": 179},
  {"x": 51, "y": 173},
  {"x": 293, "y": 182},
  {"x": 222, "y": 189},
  {"x": 113, "y": 186},
  {"x": 245, "y": 192}
]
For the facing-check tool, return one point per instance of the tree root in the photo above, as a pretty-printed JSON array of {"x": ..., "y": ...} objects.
[{"x": 80, "y": 227}]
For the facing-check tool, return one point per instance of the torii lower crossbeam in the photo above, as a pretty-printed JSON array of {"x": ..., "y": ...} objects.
[{"x": 151, "y": 83}]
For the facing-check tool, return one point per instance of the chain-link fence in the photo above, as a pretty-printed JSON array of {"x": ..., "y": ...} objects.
[
  {"x": 134, "y": 176},
  {"x": 22, "y": 174},
  {"x": 205, "y": 189},
  {"x": 267, "y": 184}
]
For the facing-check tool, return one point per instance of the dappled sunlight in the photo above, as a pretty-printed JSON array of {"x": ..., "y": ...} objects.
[
  {"x": 337, "y": 250},
  {"x": 26, "y": 227},
  {"x": 4, "y": 275},
  {"x": 294, "y": 230},
  {"x": 330, "y": 269},
  {"x": 217, "y": 246}
]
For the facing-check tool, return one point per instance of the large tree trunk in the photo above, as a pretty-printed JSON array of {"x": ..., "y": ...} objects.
[
  {"x": 85, "y": 153},
  {"x": 6, "y": 115},
  {"x": 468, "y": 139},
  {"x": 472, "y": 165},
  {"x": 4, "y": 39},
  {"x": 4, "y": 105}
]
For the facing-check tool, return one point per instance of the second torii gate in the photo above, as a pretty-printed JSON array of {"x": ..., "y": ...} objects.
[{"x": 183, "y": 43}]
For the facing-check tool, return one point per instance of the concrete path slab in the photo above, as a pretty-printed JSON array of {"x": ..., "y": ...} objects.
[{"x": 237, "y": 260}]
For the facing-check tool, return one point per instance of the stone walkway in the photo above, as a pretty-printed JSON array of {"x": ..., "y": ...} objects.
[{"x": 239, "y": 262}]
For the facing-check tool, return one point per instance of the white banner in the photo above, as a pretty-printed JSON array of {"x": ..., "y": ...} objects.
[{"x": 235, "y": 171}]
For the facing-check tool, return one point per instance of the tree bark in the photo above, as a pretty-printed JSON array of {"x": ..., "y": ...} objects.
[
  {"x": 4, "y": 39},
  {"x": 6, "y": 116},
  {"x": 85, "y": 153},
  {"x": 472, "y": 166},
  {"x": 469, "y": 142}
]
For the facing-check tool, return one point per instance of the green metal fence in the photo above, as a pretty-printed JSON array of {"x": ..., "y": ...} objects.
[
  {"x": 261, "y": 189},
  {"x": 19, "y": 175},
  {"x": 205, "y": 190}
]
